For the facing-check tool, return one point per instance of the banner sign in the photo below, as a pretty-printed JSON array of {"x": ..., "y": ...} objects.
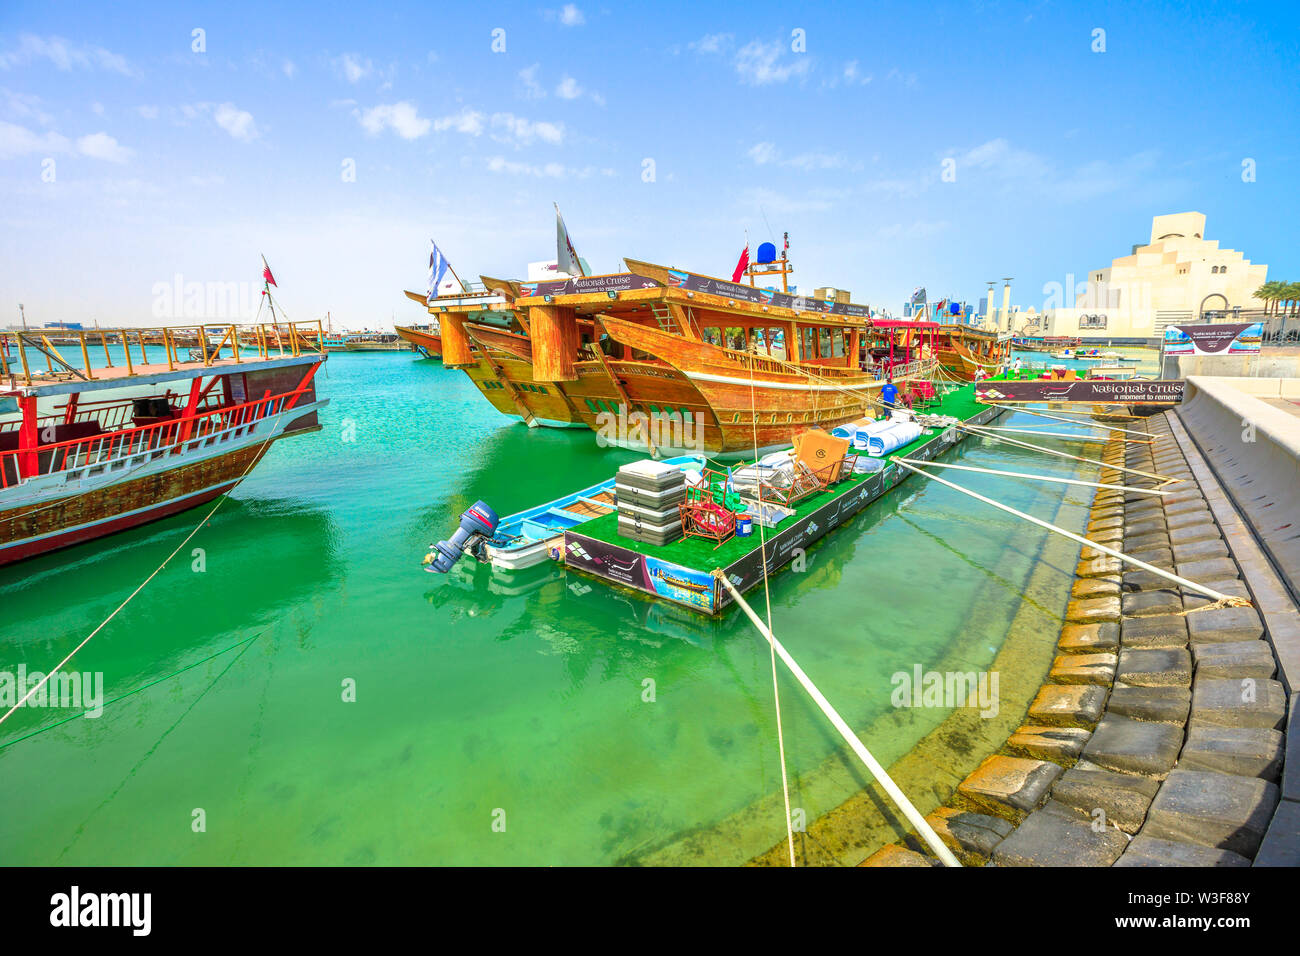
[
  {"x": 625, "y": 281},
  {"x": 620, "y": 282},
  {"x": 1092, "y": 391},
  {"x": 747, "y": 293},
  {"x": 645, "y": 573},
  {"x": 1224, "y": 338}
]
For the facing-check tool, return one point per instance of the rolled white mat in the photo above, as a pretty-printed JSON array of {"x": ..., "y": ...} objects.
[{"x": 882, "y": 443}]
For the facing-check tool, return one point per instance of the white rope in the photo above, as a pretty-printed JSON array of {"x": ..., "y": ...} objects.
[
  {"x": 1072, "y": 421},
  {"x": 979, "y": 430},
  {"x": 1169, "y": 575},
  {"x": 1020, "y": 474},
  {"x": 1035, "y": 430},
  {"x": 767, "y": 595},
  {"x": 882, "y": 777},
  {"x": 220, "y": 501}
]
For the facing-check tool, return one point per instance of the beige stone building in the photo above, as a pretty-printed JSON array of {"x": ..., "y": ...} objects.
[{"x": 1179, "y": 276}]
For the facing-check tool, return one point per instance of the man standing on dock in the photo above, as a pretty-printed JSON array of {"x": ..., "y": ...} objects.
[{"x": 889, "y": 394}]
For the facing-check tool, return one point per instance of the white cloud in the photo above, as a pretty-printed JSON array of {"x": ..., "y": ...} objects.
[
  {"x": 1001, "y": 159},
  {"x": 568, "y": 89},
  {"x": 521, "y": 132},
  {"x": 907, "y": 79},
  {"x": 18, "y": 141},
  {"x": 238, "y": 123},
  {"x": 760, "y": 64},
  {"x": 289, "y": 68},
  {"x": 532, "y": 89},
  {"x": 817, "y": 161},
  {"x": 467, "y": 121},
  {"x": 783, "y": 203},
  {"x": 103, "y": 146},
  {"x": 63, "y": 55},
  {"x": 25, "y": 105},
  {"x": 571, "y": 16},
  {"x": 402, "y": 118},
  {"x": 499, "y": 164},
  {"x": 851, "y": 74},
  {"x": 97, "y": 109},
  {"x": 765, "y": 154},
  {"x": 353, "y": 68},
  {"x": 711, "y": 43},
  {"x": 147, "y": 112}
]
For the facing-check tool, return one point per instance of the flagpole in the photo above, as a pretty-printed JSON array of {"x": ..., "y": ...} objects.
[{"x": 452, "y": 270}]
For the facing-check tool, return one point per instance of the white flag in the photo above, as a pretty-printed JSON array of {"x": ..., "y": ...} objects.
[
  {"x": 438, "y": 268},
  {"x": 566, "y": 258}
]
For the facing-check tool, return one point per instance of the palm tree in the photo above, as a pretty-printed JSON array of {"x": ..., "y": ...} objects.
[
  {"x": 1264, "y": 293},
  {"x": 1292, "y": 293},
  {"x": 1270, "y": 292},
  {"x": 1279, "y": 297}
]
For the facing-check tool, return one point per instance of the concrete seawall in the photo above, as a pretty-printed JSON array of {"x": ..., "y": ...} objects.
[
  {"x": 1248, "y": 429},
  {"x": 1165, "y": 732}
]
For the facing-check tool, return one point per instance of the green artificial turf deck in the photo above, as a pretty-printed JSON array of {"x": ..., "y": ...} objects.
[{"x": 702, "y": 554}]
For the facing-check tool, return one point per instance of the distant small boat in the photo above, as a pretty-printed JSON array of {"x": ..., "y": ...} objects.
[{"x": 1084, "y": 355}]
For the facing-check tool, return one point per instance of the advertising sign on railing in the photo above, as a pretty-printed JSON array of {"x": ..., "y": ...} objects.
[
  {"x": 1222, "y": 338},
  {"x": 1092, "y": 391}
]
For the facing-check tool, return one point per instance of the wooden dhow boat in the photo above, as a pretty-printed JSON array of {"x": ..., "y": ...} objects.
[
  {"x": 665, "y": 360},
  {"x": 425, "y": 339},
  {"x": 131, "y": 434}
]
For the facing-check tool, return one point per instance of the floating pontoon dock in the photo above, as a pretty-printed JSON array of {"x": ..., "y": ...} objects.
[{"x": 682, "y": 571}]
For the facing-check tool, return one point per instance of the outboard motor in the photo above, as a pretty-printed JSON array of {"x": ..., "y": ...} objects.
[{"x": 477, "y": 525}]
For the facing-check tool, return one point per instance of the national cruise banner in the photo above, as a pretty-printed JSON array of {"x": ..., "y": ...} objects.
[
  {"x": 1222, "y": 338},
  {"x": 1093, "y": 391}
]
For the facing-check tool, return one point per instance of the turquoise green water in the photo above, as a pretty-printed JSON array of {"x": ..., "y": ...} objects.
[{"x": 477, "y": 701}]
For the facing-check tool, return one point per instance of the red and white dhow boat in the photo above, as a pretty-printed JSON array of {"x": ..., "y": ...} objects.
[{"x": 133, "y": 433}]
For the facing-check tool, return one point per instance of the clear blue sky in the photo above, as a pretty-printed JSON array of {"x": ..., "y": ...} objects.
[{"x": 168, "y": 161}]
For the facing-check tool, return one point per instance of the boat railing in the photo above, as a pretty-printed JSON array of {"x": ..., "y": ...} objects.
[
  {"x": 109, "y": 414},
  {"x": 915, "y": 368},
  {"x": 760, "y": 363},
  {"x": 21, "y": 353},
  {"x": 114, "y": 449}
]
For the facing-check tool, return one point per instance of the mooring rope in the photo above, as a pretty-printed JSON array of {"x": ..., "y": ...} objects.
[
  {"x": 855, "y": 743},
  {"x": 221, "y": 499},
  {"x": 979, "y": 431},
  {"x": 1036, "y": 430},
  {"x": 143, "y": 687},
  {"x": 767, "y": 595},
  {"x": 1219, "y": 596},
  {"x": 1051, "y": 478}
]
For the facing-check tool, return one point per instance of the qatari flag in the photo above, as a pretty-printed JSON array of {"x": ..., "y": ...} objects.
[
  {"x": 742, "y": 265},
  {"x": 266, "y": 273}
]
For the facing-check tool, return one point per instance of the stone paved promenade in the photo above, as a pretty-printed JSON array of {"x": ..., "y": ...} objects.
[{"x": 1159, "y": 737}]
